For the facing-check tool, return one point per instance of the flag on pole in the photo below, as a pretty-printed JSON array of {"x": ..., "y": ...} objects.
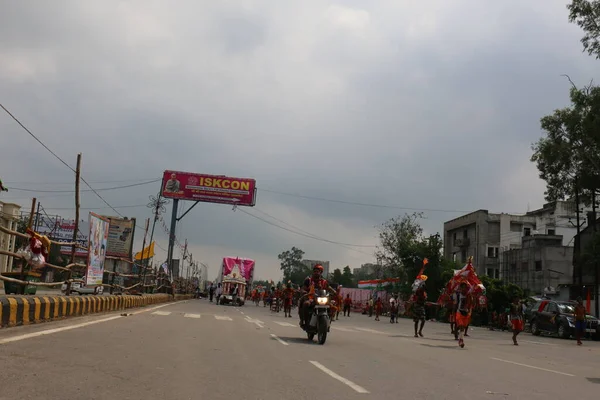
[{"x": 148, "y": 252}]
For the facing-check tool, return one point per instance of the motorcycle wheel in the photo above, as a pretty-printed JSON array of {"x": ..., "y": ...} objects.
[{"x": 322, "y": 330}]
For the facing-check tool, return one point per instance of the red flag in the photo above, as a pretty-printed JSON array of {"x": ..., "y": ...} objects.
[
  {"x": 588, "y": 301},
  {"x": 425, "y": 262}
]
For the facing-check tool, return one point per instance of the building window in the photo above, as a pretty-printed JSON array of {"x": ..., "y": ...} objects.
[
  {"x": 493, "y": 273},
  {"x": 454, "y": 236},
  {"x": 538, "y": 266},
  {"x": 466, "y": 233},
  {"x": 492, "y": 252},
  {"x": 524, "y": 266},
  {"x": 527, "y": 231},
  {"x": 551, "y": 232}
]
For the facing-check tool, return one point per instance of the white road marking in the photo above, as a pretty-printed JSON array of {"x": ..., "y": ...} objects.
[
  {"x": 223, "y": 318},
  {"x": 284, "y": 324},
  {"x": 161, "y": 313},
  {"x": 279, "y": 340},
  {"x": 70, "y": 327},
  {"x": 258, "y": 323},
  {"x": 191, "y": 315},
  {"x": 369, "y": 330},
  {"x": 345, "y": 381},
  {"x": 531, "y": 341},
  {"x": 339, "y": 328},
  {"x": 531, "y": 366},
  {"x": 242, "y": 313}
]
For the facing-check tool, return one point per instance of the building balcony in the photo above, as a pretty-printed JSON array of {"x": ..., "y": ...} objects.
[{"x": 462, "y": 242}]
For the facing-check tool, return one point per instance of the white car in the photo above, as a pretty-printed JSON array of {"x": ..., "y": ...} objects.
[{"x": 77, "y": 287}]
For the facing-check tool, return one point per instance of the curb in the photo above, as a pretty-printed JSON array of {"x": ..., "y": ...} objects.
[{"x": 26, "y": 310}]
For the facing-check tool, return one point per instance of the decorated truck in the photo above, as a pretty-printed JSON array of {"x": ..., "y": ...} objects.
[{"x": 236, "y": 273}]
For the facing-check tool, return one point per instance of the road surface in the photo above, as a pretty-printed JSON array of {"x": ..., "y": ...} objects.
[{"x": 198, "y": 350}]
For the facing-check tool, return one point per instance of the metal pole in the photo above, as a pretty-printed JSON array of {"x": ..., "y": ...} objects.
[
  {"x": 112, "y": 280},
  {"x": 172, "y": 235},
  {"x": 596, "y": 303},
  {"x": 578, "y": 242},
  {"x": 143, "y": 248},
  {"x": 37, "y": 218}
]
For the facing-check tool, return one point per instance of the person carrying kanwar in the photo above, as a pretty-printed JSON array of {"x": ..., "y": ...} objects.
[{"x": 464, "y": 308}]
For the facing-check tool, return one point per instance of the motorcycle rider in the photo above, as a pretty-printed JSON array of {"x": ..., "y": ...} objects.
[{"x": 311, "y": 284}]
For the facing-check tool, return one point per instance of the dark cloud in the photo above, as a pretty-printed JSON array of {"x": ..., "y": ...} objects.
[{"x": 429, "y": 106}]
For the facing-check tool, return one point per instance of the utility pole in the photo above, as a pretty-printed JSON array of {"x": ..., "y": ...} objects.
[{"x": 76, "y": 227}]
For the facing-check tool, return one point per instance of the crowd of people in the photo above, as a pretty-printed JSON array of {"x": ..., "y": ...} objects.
[{"x": 464, "y": 296}]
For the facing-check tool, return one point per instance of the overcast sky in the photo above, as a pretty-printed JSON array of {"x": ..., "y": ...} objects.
[{"x": 423, "y": 105}]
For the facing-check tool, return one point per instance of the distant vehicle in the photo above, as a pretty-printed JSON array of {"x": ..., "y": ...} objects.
[
  {"x": 557, "y": 317},
  {"x": 77, "y": 287}
]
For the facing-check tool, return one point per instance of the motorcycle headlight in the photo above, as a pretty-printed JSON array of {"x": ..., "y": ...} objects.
[{"x": 322, "y": 300}]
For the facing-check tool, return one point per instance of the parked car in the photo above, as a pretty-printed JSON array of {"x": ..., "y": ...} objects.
[
  {"x": 557, "y": 317},
  {"x": 77, "y": 287}
]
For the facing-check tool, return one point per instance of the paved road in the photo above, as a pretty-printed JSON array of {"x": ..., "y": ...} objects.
[{"x": 197, "y": 350}]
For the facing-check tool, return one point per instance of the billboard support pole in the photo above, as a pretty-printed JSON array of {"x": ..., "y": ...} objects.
[
  {"x": 172, "y": 235},
  {"x": 188, "y": 210}
]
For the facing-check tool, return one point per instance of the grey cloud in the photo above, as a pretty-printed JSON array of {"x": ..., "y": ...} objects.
[{"x": 413, "y": 108}]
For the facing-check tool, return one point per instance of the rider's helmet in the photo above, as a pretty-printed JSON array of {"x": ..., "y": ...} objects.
[{"x": 318, "y": 267}]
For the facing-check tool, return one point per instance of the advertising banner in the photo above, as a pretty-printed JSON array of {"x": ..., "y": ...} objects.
[
  {"x": 60, "y": 229},
  {"x": 120, "y": 237},
  {"x": 241, "y": 267},
  {"x": 209, "y": 188},
  {"x": 98, "y": 242}
]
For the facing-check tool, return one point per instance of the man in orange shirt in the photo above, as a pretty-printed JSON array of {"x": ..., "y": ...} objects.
[{"x": 288, "y": 295}]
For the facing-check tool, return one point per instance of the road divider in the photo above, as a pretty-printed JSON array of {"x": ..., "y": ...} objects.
[{"x": 26, "y": 310}]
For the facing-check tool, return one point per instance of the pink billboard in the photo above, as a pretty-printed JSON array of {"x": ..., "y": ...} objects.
[
  {"x": 240, "y": 267},
  {"x": 209, "y": 188}
]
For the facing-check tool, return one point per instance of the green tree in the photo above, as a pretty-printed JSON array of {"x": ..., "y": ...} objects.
[
  {"x": 500, "y": 295},
  {"x": 586, "y": 14},
  {"x": 403, "y": 248},
  {"x": 291, "y": 265},
  {"x": 348, "y": 278},
  {"x": 399, "y": 240},
  {"x": 336, "y": 277},
  {"x": 567, "y": 156}
]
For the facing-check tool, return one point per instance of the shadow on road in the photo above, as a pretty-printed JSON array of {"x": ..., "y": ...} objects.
[
  {"x": 440, "y": 347},
  {"x": 298, "y": 340}
]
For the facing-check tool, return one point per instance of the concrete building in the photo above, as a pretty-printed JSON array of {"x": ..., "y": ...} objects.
[
  {"x": 9, "y": 218},
  {"x": 365, "y": 270},
  {"x": 485, "y": 236},
  {"x": 586, "y": 266},
  {"x": 311, "y": 263},
  {"x": 542, "y": 264},
  {"x": 559, "y": 218}
]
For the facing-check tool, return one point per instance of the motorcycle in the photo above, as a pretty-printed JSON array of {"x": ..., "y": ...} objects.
[{"x": 320, "y": 322}]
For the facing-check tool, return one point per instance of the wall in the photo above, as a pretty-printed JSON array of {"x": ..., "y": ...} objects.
[{"x": 9, "y": 218}]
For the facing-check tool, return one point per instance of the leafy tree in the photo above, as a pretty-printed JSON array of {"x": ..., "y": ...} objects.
[
  {"x": 336, "y": 277},
  {"x": 500, "y": 295},
  {"x": 403, "y": 249},
  {"x": 291, "y": 265},
  {"x": 586, "y": 14},
  {"x": 567, "y": 156},
  {"x": 399, "y": 239},
  {"x": 348, "y": 277}
]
